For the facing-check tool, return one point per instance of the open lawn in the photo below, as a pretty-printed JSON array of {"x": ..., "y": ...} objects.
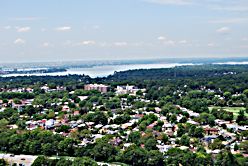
[{"x": 235, "y": 110}]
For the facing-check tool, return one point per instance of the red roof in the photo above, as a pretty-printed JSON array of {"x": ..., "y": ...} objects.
[
  {"x": 211, "y": 129},
  {"x": 139, "y": 115},
  {"x": 76, "y": 113}
]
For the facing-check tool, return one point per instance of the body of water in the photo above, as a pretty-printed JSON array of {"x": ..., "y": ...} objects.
[{"x": 104, "y": 70}]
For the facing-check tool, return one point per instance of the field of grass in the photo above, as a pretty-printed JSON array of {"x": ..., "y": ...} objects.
[{"x": 234, "y": 110}]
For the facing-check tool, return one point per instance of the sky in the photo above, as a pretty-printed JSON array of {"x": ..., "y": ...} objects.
[{"x": 66, "y": 30}]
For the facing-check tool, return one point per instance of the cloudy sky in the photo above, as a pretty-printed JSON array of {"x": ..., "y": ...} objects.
[{"x": 55, "y": 30}]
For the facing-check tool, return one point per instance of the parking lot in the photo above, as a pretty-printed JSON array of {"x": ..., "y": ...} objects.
[{"x": 26, "y": 160}]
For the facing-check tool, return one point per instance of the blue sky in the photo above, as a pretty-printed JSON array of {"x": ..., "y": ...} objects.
[{"x": 60, "y": 30}]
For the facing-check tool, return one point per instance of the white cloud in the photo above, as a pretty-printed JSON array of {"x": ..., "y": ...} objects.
[
  {"x": 171, "y": 2},
  {"x": 223, "y": 30},
  {"x": 120, "y": 44},
  {"x": 229, "y": 21},
  {"x": 79, "y": 43},
  {"x": 243, "y": 46},
  {"x": 161, "y": 38},
  {"x": 226, "y": 5},
  {"x": 65, "y": 28},
  {"x": 123, "y": 44},
  {"x": 169, "y": 43},
  {"x": 220, "y": 5},
  {"x": 211, "y": 45},
  {"x": 43, "y": 29},
  {"x": 19, "y": 41},
  {"x": 245, "y": 39},
  {"x": 96, "y": 27},
  {"x": 234, "y": 8},
  {"x": 183, "y": 42},
  {"x": 138, "y": 44},
  {"x": 23, "y": 29},
  {"x": 67, "y": 43},
  {"x": 7, "y": 27},
  {"x": 166, "y": 41},
  {"x": 104, "y": 44},
  {"x": 26, "y": 18},
  {"x": 87, "y": 42},
  {"x": 47, "y": 44}
]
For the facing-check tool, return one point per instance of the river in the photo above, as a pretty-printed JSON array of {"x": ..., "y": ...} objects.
[{"x": 103, "y": 70}]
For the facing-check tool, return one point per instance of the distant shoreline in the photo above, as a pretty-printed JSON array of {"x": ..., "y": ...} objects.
[
  {"x": 92, "y": 63},
  {"x": 105, "y": 70}
]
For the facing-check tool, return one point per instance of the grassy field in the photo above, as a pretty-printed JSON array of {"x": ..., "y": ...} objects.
[{"x": 235, "y": 110}]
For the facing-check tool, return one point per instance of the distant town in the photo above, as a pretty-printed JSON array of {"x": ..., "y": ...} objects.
[
  {"x": 124, "y": 83},
  {"x": 103, "y": 118}
]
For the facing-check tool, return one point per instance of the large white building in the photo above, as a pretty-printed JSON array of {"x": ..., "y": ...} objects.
[
  {"x": 128, "y": 89},
  {"x": 100, "y": 87}
]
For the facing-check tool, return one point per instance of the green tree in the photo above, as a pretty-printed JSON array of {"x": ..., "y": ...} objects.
[
  {"x": 103, "y": 151},
  {"x": 226, "y": 158},
  {"x": 135, "y": 156},
  {"x": 183, "y": 120},
  {"x": 173, "y": 118},
  {"x": 17, "y": 101},
  {"x": 142, "y": 126},
  {"x": 3, "y": 123},
  {"x": 3, "y": 162},
  {"x": 47, "y": 149},
  {"x": 181, "y": 130},
  {"x": 84, "y": 161},
  {"x": 97, "y": 117},
  {"x": 217, "y": 144},
  {"x": 64, "y": 162},
  {"x": 51, "y": 115},
  {"x": 63, "y": 128},
  {"x": 40, "y": 161},
  {"x": 66, "y": 146},
  {"x": 206, "y": 118},
  {"x": 150, "y": 144},
  {"x": 201, "y": 149},
  {"x": 198, "y": 132},
  {"x": 246, "y": 92},
  {"x": 134, "y": 137},
  {"x": 155, "y": 158},
  {"x": 164, "y": 138},
  {"x": 34, "y": 147},
  {"x": 241, "y": 119},
  {"x": 185, "y": 140},
  {"x": 244, "y": 146},
  {"x": 122, "y": 119},
  {"x": 227, "y": 95},
  {"x": 236, "y": 147}
]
